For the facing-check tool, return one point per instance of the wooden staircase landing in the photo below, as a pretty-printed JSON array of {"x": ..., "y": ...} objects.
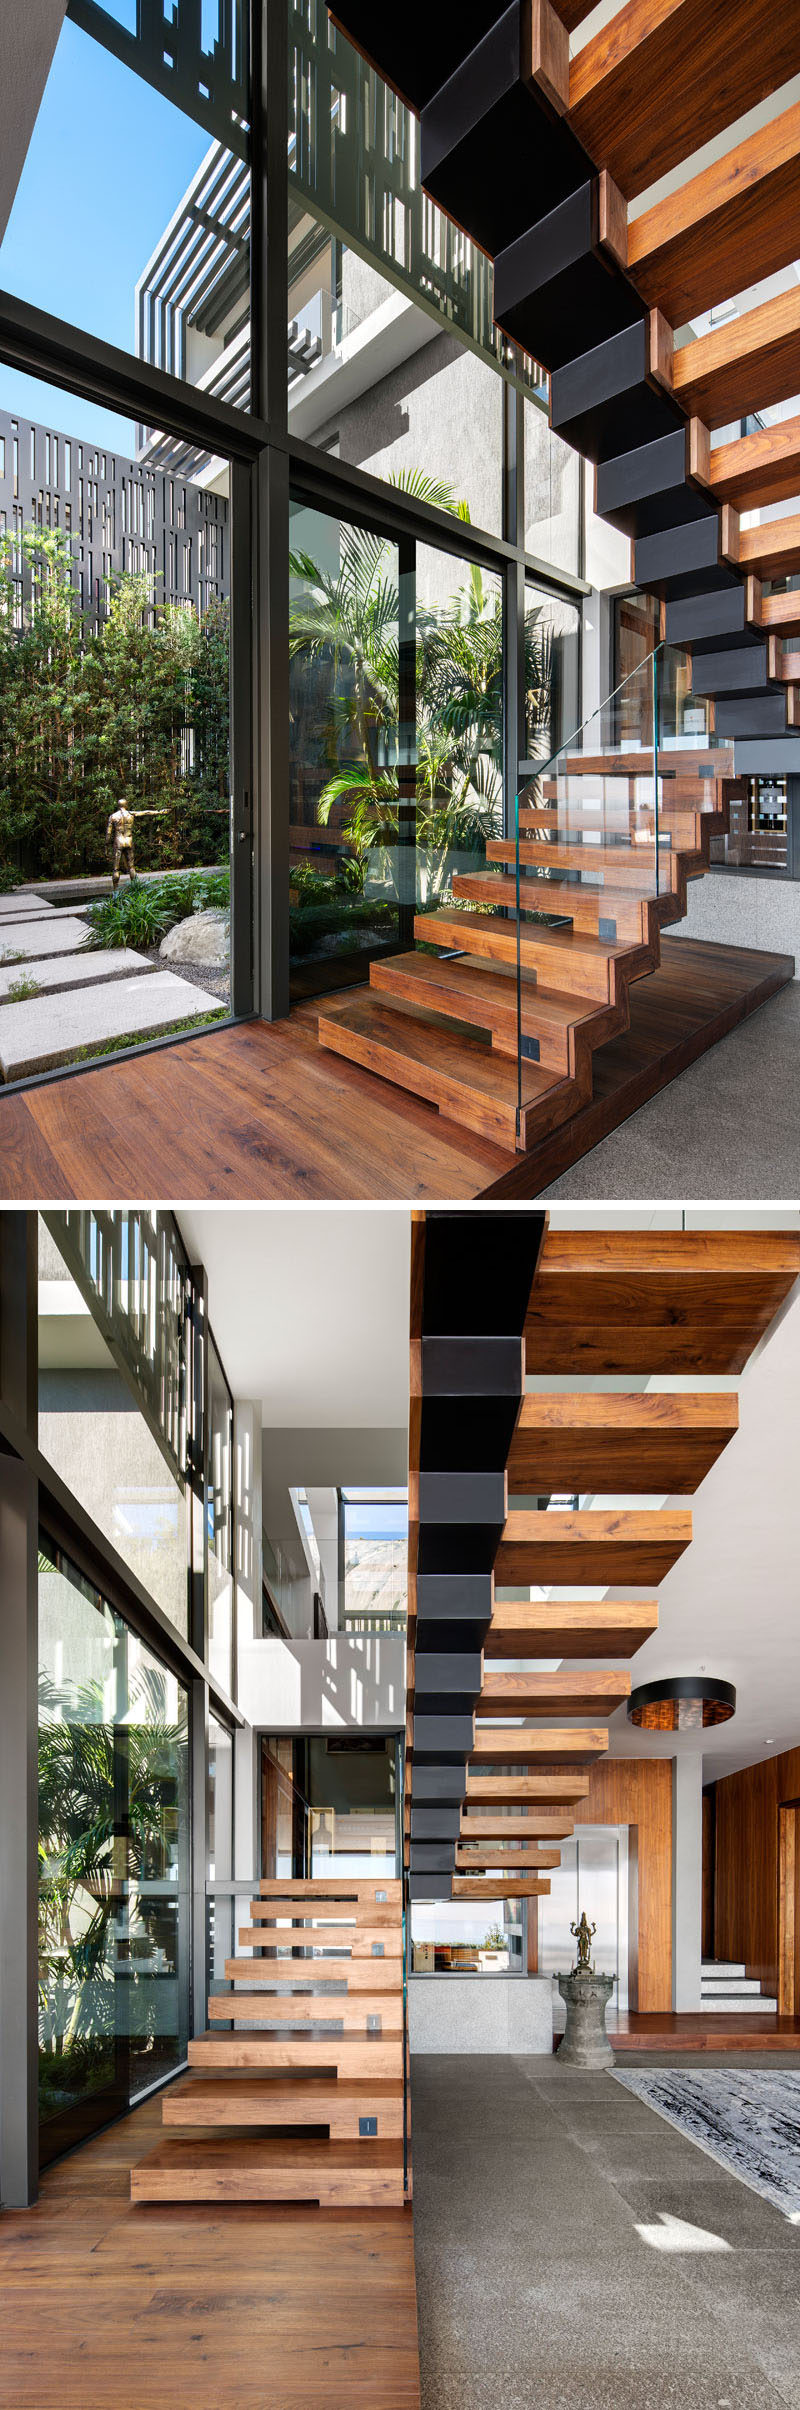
[{"x": 329, "y": 2109}]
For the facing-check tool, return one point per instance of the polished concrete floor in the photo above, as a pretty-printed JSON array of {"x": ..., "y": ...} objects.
[
  {"x": 574, "y": 2252},
  {"x": 729, "y": 1127}
]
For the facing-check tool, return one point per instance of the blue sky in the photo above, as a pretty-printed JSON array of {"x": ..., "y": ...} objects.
[{"x": 107, "y": 164}]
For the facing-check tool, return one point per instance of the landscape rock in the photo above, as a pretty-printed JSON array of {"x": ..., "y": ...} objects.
[{"x": 204, "y": 938}]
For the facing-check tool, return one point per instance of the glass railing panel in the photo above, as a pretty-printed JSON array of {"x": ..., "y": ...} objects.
[{"x": 603, "y": 828}]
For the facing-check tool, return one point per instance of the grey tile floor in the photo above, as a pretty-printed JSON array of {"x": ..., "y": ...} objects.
[
  {"x": 541, "y": 2198},
  {"x": 728, "y": 1127}
]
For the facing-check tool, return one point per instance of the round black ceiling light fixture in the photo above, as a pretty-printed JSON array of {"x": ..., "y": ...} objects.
[{"x": 682, "y": 1703}]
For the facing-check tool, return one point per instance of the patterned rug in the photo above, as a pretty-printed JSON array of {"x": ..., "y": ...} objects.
[{"x": 747, "y": 2120}]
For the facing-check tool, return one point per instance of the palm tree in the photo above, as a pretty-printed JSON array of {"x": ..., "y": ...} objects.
[
  {"x": 80, "y": 1867},
  {"x": 350, "y": 623}
]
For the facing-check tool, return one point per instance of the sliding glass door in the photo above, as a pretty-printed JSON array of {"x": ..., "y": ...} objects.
[{"x": 114, "y": 1893}]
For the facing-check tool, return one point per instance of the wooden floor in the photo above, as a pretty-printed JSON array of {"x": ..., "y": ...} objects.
[
  {"x": 263, "y": 1111},
  {"x": 285, "y": 2308},
  {"x": 751, "y": 2031}
]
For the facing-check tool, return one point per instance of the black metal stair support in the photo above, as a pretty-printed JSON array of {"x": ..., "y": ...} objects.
[
  {"x": 491, "y": 86},
  {"x": 475, "y": 1297},
  {"x": 652, "y": 487}
]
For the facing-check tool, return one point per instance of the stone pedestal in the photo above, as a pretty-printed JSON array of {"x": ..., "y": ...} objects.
[{"x": 586, "y": 2042}]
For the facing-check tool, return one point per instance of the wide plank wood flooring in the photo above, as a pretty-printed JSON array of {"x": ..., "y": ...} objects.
[
  {"x": 191, "y": 2308},
  {"x": 263, "y": 1111},
  {"x": 671, "y": 2031}
]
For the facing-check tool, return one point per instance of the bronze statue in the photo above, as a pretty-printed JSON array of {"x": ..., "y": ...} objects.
[
  {"x": 584, "y": 1934},
  {"x": 119, "y": 838}
]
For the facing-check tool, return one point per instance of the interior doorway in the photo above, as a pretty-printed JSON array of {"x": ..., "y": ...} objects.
[
  {"x": 593, "y": 1874},
  {"x": 789, "y": 1909}
]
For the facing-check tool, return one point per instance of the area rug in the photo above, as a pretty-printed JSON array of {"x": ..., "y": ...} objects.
[{"x": 748, "y": 2121}]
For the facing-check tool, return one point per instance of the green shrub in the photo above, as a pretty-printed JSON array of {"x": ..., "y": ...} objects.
[{"x": 141, "y": 914}]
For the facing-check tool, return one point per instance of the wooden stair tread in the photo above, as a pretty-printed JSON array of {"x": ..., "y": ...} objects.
[
  {"x": 490, "y": 987},
  {"x": 580, "y": 851},
  {"x": 758, "y": 469},
  {"x": 519, "y": 1789},
  {"x": 656, "y": 1301},
  {"x": 561, "y": 1693},
  {"x": 575, "y": 1744},
  {"x": 381, "y": 1891},
  {"x": 620, "y": 1441},
  {"x": 591, "y": 1545},
  {"x": 462, "y": 1059},
  {"x": 380, "y": 1974},
  {"x": 729, "y": 226},
  {"x": 664, "y": 77},
  {"x": 359, "y": 2053},
  {"x": 266, "y": 2100},
  {"x": 717, "y": 762},
  {"x": 570, "y": 1627},
  {"x": 264, "y": 2167}
]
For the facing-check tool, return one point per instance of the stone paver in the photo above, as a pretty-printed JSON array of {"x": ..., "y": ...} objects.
[
  {"x": 59, "y": 933},
  {"x": 38, "y": 1035},
  {"x": 19, "y": 907},
  {"x": 74, "y": 970}
]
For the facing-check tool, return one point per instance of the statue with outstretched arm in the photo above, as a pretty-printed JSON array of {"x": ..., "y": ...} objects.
[{"x": 119, "y": 838}]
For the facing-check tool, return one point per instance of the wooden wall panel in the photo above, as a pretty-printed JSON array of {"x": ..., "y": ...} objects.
[
  {"x": 747, "y": 1805},
  {"x": 638, "y": 1792}
]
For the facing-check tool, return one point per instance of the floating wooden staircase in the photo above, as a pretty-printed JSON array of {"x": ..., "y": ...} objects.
[
  {"x": 446, "y": 1026},
  {"x": 491, "y": 1774},
  {"x": 593, "y": 295},
  {"x": 313, "y": 2058}
]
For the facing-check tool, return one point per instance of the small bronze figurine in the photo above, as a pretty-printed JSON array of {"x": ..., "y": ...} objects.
[{"x": 584, "y": 1935}]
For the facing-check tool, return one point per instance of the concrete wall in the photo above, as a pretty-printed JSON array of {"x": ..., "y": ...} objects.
[
  {"x": 346, "y": 1682},
  {"x": 481, "y": 2014},
  {"x": 736, "y": 908}
]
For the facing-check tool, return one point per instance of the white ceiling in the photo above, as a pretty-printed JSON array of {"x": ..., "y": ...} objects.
[{"x": 309, "y": 1308}]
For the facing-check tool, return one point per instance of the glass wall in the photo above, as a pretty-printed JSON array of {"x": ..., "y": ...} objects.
[
  {"x": 115, "y": 731},
  {"x": 328, "y": 1805},
  {"x": 553, "y": 507},
  {"x": 110, "y": 1414},
  {"x": 162, "y": 268},
  {"x": 552, "y": 671},
  {"x": 375, "y": 1550},
  {"x": 114, "y": 1860},
  {"x": 219, "y": 1523},
  {"x": 343, "y": 749},
  {"x": 467, "y": 1937}
]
